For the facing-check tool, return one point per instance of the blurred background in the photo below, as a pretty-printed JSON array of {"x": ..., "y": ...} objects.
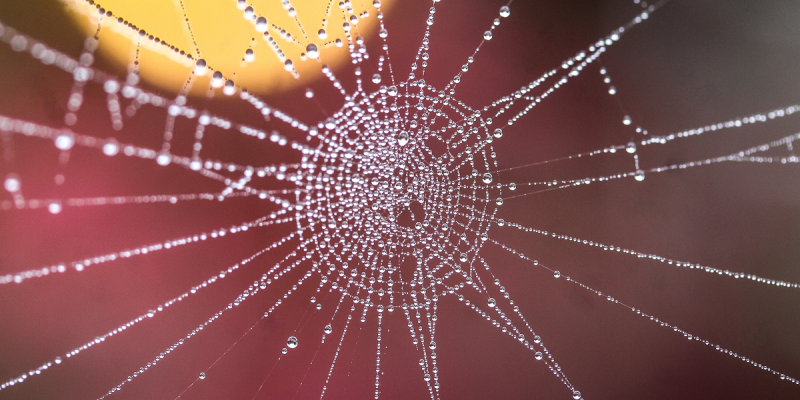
[{"x": 692, "y": 63}]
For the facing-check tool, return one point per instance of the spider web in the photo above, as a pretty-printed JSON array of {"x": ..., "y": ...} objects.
[{"x": 381, "y": 212}]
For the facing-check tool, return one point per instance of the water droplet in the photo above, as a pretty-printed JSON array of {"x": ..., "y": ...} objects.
[
  {"x": 200, "y": 67},
  {"x": 376, "y": 78},
  {"x": 432, "y": 345},
  {"x": 612, "y": 90},
  {"x": 261, "y": 24},
  {"x": 631, "y": 147},
  {"x": 538, "y": 356},
  {"x": 576, "y": 395},
  {"x": 463, "y": 257},
  {"x": 58, "y": 360},
  {"x": 383, "y": 33},
  {"x": 284, "y": 351},
  {"x": 402, "y": 138},
  {"x": 487, "y": 35},
  {"x": 492, "y": 302},
  {"x": 151, "y": 313},
  {"x": 512, "y": 186},
  {"x": 501, "y": 222},
  {"x": 626, "y": 120},
  {"x": 557, "y": 274},
  {"x": 249, "y": 55},
  {"x": 487, "y": 178},
  {"x": 229, "y": 89},
  {"x": 12, "y": 183},
  {"x": 111, "y": 148},
  {"x": 499, "y": 201},
  {"x": 202, "y": 375},
  {"x": 328, "y": 329},
  {"x": 309, "y": 93},
  {"x": 498, "y": 133},
  {"x": 291, "y": 342},
  {"x": 322, "y": 34},
  {"x": 54, "y": 207},
  {"x": 65, "y": 141},
  {"x": 639, "y": 175},
  {"x": 427, "y": 377},
  {"x": 505, "y": 11},
  {"x": 163, "y": 158},
  {"x": 312, "y": 51}
]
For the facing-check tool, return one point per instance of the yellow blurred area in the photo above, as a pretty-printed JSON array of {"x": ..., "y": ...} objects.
[{"x": 223, "y": 34}]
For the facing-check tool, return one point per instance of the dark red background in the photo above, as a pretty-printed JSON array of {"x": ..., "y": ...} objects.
[{"x": 692, "y": 63}]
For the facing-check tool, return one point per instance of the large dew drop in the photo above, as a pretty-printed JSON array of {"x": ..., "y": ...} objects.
[
  {"x": 487, "y": 178},
  {"x": 200, "y": 67},
  {"x": 402, "y": 138},
  {"x": 261, "y": 24},
  {"x": 312, "y": 51},
  {"x": 291, "y": 342},
  {"x": 492, "y": 302},
  {"x": 505, "y": 11},
  {"x": 12, "y": 184}
]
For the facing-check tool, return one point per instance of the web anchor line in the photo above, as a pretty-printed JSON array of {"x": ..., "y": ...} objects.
[{"x": 663, "y": 324}]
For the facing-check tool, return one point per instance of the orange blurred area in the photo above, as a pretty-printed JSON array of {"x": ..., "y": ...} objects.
[{"x": 213, "y": 30}]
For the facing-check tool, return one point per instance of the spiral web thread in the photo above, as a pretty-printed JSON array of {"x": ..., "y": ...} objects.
[{"x": 406, "y": 173}]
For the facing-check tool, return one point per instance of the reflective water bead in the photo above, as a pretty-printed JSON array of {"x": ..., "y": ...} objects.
[
  {"x": 491, "y": 302},
  {"x": 111, "y": 148},
  {"x": 249, "y": 55},
  {"x": 487, "y": 178},
  {"x": 291, "y": 342},
  {"x": 54, "y": 207},
  {"x": 499, "y": 201},
  {"x": 322, "y": 34},
  {"x": 498, "y": 133},
  {"x": 505, "y": 11},
  {"x": 64, "y": 141},
  {"x": 487, "y": 35},
  {"x": 612, "y": 90},
  {"x": 432, "y": 345},
  {"x": 312, "y": 51},
  {"x": 463, "y": 257},
  {"x": 12, "y": 183},
  {"x": 631, "y": 147},
  {"x": 261, "y": 24},
  {"x": 538, "y": 356},
  {"x": 576, "y": 395},
  {"x": 328, "y": 329},
  {"x": 200, "y": 67},
  {"x": 229, "y": 89},
  {"x": 512, "y": 186},
  {"x": 284, "y": 350},
  {"x": 202, "y": 375},
  {"x": 557, "y": 274},
  {"x": 163, "y": 158},
  {"x": 626, "y": 120},
  {"x": 376, "y": 78},
  {"x": 402, "y": 138},
  {"x": 639, "y": 175}
]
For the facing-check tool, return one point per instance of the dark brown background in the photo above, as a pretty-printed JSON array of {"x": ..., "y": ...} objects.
[{"x": 692, "y": 63}]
